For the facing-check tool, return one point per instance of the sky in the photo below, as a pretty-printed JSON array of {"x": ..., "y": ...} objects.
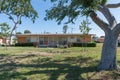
[{"x": 41, "y": 26}]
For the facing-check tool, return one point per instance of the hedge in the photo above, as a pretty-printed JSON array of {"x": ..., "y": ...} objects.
[
  {"x": 118, "y": 44},
  {"x": 93, "y": 44},
  {"x": 24, "y": 44}
]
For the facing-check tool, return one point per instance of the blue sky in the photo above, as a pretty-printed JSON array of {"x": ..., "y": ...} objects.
[{"x": 41, "y": 26}]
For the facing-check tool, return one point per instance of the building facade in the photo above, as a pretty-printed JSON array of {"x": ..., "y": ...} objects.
[
  {"x": 3, "y": 41},
  {"x": 53, "y": 39}
]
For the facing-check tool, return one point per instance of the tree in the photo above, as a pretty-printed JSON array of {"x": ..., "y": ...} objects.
[
  {"x": 15, "y": 10},
  {"x": 5, "y": 32},
  {"x": 65, "y": 27},
  {"x": 84, "y": 28},
  {"x": 18, "y": 32},
  {"x": 27, "y": 32},
  {"x": 72, "y": 9}
]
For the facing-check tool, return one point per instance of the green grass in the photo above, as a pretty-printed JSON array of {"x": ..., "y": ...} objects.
[{"x": 30, "y": 63}]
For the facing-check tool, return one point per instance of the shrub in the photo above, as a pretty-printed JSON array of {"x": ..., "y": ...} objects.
[
  {"x": 118, "y": 44},
  {"x": 93, "y": 44},
  {"x": 24, "y": 44}
]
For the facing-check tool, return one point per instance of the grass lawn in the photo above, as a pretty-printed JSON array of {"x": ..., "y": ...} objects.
[{"x": 30, "y": 63}]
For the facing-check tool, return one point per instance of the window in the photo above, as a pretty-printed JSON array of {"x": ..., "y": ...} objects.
[
  {"x": 41, "y": 42},
  {"x": 28, "y": 40}
]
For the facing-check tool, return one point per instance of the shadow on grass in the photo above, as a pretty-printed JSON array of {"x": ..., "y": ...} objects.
[{"x": 54, "y": 69}]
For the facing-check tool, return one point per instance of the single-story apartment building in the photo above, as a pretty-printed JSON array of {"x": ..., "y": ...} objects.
[
  {"x": 101, "y": 39},
  {"x": 2, "y": 40},
  {"x": 5, "y": 41},
  {"x": 53, "y": 39}
]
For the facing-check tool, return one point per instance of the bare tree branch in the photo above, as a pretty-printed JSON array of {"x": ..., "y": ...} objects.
[
  {"x": 113, "y": 5},
  {"x": 106, "y": 12},
  {"x": 103, "y": 25}
]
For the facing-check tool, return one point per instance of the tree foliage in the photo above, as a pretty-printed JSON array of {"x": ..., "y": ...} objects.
[
  {"x": 84, "y": 27},
  {"x": 18, "y": 8},
  {"x": 71, "y": 9},
  {"x": 18, "y": 32},
  {"x": 65, "y": 27},
  {"x": 5, "y": 29},
  {"x": 5, "y": 32},
  {"x": 27, "y": 31}
]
